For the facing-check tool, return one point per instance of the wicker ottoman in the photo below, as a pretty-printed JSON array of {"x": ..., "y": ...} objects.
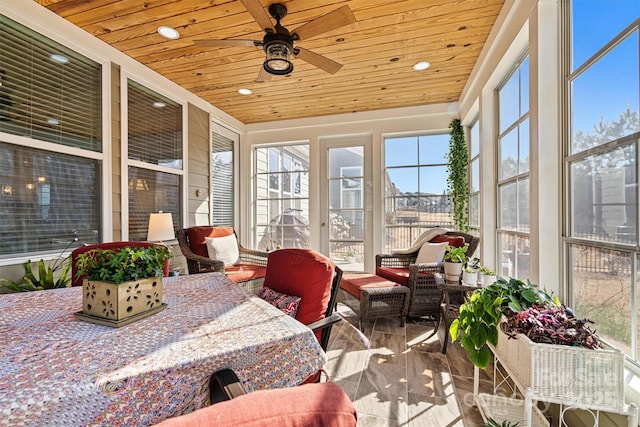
[{"x": 378, "y": 296}]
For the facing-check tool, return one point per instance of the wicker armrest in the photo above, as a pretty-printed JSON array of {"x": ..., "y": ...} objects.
[
  {"x": 205, "y": 262},
  {"x": 395, "y": 260},
  {"x": 427, "y": 274},
  {"x": 251, "y": 256}
]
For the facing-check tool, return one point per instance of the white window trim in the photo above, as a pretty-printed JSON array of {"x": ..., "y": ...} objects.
[{"x": 125, "y": 162}]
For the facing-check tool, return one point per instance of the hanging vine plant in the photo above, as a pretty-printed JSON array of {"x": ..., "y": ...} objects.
[{"x": 457, "y": 176}]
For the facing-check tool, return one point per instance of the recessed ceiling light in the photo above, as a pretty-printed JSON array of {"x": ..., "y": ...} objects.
[
  {"x": 53, "y": 122},
  {"x": 59, "y": 58},
  {"x": 159, "y": 104},
  {"x": 422, "y": 65},
  {"x": 244, "y": 91},
  {"x": 168, "y": 32}
]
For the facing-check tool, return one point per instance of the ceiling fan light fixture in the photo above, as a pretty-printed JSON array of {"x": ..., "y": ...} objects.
[{"x": 277, "y": 59}]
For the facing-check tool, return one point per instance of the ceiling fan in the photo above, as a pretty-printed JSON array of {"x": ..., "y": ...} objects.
[{"x": 278, "y": 42}]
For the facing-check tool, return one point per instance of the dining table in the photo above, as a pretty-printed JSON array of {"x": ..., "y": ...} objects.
[{"x": 58, "y": 370}]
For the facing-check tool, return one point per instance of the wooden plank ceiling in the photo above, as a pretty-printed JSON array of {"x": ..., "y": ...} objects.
[{"x": 377, "y": 51}]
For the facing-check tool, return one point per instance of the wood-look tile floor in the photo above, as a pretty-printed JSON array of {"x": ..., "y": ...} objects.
[{"x": 395, "y": 376}]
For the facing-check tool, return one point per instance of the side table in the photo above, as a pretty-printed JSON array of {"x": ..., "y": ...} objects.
[{"x": 450, "y": 311}]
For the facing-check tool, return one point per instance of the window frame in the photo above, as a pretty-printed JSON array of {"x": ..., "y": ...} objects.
[
  {"x": 104, "y": 157},
  {"x": 125, "y": 76},
  {"x": 501, "y": 182}
]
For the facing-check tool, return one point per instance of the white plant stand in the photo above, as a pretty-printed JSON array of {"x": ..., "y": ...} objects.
[{"x": 574, "y": 378}]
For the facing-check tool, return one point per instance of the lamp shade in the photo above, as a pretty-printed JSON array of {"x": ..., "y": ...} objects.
[{"x": 160, "y": 227}]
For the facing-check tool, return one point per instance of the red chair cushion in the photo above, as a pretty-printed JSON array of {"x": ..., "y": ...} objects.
[
  {"x": 354, "y": 283},
  {"x": 304, "y": 273},
  {"x": 310, "y": 405},
  {"x": 455, "y": 241},
  {"x": 243, "y": 272},
  {"x": 398, "y": 275},
  {"x": 197, "y": 235}
]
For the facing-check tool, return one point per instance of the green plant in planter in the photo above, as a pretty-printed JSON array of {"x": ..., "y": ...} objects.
[
  {"x": 487, "y": 271},
  {"x": 43, "y": 280},
  {"x": 493, "y": 423},
  {"x": 122, "y": 265},
  {"x": 457, "y": 180},
  {"x": 480, "y": 315},
  {"x": 454, "y": 254}
]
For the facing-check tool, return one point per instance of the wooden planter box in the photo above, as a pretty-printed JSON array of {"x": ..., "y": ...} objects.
[
  {"x": 563, "y": 373},
  {"x": 116, "y": 305}
]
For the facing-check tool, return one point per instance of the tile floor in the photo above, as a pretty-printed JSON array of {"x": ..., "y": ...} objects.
[{"x": 401, "y": 378}]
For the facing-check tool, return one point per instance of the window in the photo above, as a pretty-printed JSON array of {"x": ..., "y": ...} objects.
[
  {"x": 155, "y": 157},
  {"x": 513, "y": 174},
  {"x": 602, "y": 185},
  {"x": 48, "y": 92},
  {"x": 281, "y": 186},
  {"x": 222, "y": 183},
  {"x": 351, "y": 187},
  {"x": 50, "y": 100},
  {"x": 415, "y": 188}
]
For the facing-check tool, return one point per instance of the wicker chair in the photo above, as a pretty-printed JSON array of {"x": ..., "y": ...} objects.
[
  {"x": 421, "y": 279},
  {"x": 252, "y": 263}
]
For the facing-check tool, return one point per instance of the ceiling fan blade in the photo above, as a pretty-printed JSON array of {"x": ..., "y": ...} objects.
[
  {"x": 263, "y": 75},
  {"x": 332, "y": 20},
  {"x": 319, "y": 61},
  {"x": 254, "y": 7},
  {"x": 224, "y": 42}
]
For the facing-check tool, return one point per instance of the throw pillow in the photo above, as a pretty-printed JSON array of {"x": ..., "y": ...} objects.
[
  {"x": 288, "y": 304},
  {"x": 224, "y": 249},
  {"x": 431, "y": 252}
]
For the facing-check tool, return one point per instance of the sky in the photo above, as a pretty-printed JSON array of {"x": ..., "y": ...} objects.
[{"x": 601, "y": 92}]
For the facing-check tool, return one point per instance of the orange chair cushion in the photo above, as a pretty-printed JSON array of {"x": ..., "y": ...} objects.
[
  {"x": 310, "y": 405},
  {"x": 304, "y": 273},
  {"x": 243, "y": 272},
  {"x": 197, "y": 235},
  {"x": 354, "y": 283},
  {"x": 398, "y": 275},
  {"x": 455, "y": 241}
]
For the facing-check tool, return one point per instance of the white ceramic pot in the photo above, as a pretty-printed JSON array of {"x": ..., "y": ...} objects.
[
  {"x": 452, "y": 271},
  {"x": 470, "y": 278},
  {"x": 486, "y": 279}
]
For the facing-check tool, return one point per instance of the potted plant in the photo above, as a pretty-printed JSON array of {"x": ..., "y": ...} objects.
[
  {"x": 486, "y": 276},
  {"x": 40, "y": 280},
  {"x": 481, "y": 314},
  {"x": 457, "y": 180},
  {"x": 454, "y": 260},
  {"x": 469, "y": 275},
  {"x": 350, "y": 256},
  {"x": 121, "y": 283},
  {"x": 493, "y": 423}
]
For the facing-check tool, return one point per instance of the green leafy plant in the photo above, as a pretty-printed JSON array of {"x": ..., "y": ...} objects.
[
  {"x": 457, "y": 176},
  {"x": 43, "y": 279},
  {"x": 493, "y": 423},
  {"x": 454, "y": 254},
  {"x": 480, "y": 314},
  {"x": 121, "y": 265},
  {"x": 487, "y": 271}
]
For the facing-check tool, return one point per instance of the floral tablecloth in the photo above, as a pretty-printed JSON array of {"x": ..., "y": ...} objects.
[{"x": 56, "y": 370}]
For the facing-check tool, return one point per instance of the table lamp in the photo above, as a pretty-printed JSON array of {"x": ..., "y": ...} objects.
[{"x": 160, "y": 227}]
